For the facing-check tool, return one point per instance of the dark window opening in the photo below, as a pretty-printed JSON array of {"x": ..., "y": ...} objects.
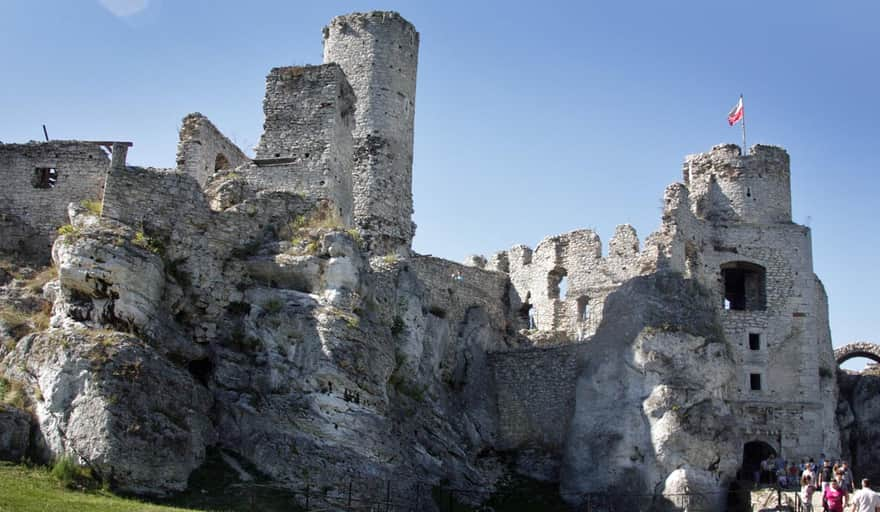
[
  {"x": 557, "y": 284},
  {"x": 755, "y": 381},
  {"x": 754, "y": 341},
  {"x": 744, "y": 286},
  {"x": 221, "y": 162},
  {"x": 45, "y": 177},
  {"x": 583, "y": 309}
]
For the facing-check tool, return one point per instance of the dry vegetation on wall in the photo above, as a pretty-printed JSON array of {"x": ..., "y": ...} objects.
[
  {"x": 13, "y": 393},
  {"x": 19, "y": 318},
  {"x": 304, "y": 231}
]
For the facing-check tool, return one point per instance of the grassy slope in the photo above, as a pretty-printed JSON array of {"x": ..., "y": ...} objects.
[{"x": 24, "y": 489}]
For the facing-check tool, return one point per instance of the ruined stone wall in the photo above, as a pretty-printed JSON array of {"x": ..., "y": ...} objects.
[
  {"x": 590, "y": 277},
  {"x": 154, "y": 200},
  {"x": 306, "y": 146},
  {"x": 727, "y": 186},
  {"x": 698, "y": 239},
  {"x": 202, "y": 149},
  {"x": 378, "y": 52},
  {"x": 536, "y": 391},
  {"x": 80, "y": 169},
  {"x": 451, "y": 289},
  {"x": 18, "y": 237}
]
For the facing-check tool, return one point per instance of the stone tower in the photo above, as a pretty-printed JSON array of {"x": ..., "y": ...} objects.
[
  {"x": 306, "y": 146},
  {"x": 378, "y": 51},
  {"x": 727, "y": 186},
  {"x": 772, "y": 306}
]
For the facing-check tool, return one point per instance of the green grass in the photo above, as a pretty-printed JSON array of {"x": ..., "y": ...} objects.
[
  {"x": 213, "y": 487},
  {"x": 25, "y": 489}
]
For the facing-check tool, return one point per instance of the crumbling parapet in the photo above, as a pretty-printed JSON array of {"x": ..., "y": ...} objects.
[
  {"x": 572, "y": 261},
  {"x": 727, "y": 186},
  {"x": 378, "y": 51},
  {"x": 306, "y": 146},
  {"x": 203, "y": 149}
]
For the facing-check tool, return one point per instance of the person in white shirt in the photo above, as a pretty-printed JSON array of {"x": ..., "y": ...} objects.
[{"x": 866, "y": 500}]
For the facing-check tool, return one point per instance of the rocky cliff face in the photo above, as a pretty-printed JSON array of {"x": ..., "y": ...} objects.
[
  {"x": 649, "y": 412},
  {"x": 858, "y": 413},
  {"x": 318, "y": 363},
  {"x": 295, "y": 351}
]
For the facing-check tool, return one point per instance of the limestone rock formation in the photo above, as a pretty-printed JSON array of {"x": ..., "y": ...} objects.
[
  {"x": 859, "y": 413},
  {"x": 649, "y": 394},
  {"x": 15, "y": 433},
  {"x": 273, "y": 307},
  {"x": 112, "y": 401}
]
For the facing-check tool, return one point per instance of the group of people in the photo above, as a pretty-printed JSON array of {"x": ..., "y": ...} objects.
[
  {"x": 836, "y": 498},
  {"x": 833, "y": 481}
]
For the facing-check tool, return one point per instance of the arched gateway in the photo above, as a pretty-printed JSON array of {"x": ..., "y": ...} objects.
[
  {"x": 858, "y": 349},
  {"x": 753, "y": 453}
]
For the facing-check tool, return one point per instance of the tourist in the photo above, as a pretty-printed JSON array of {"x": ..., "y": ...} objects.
[
  {"x": 807, "y": 490},
  {"x": 809, "y": 471},
  {"x": 847, "y": 480},
  {"x": 793, "y": 475},
  {"x": 782, "y": 477},
  {"x": 826, "y": 474},
  {"x": 865, "y": 499},
  {"x": 834, "y": 498}
]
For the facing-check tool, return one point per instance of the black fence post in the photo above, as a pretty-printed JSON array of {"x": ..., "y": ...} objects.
[
  {"x": 349, "y": 494},
  {"x": 387, "y": 495},
  {"x": 418, "y": 496},
  {"x": 307, "y": 497},
  {"x": 449, "y": 508}
]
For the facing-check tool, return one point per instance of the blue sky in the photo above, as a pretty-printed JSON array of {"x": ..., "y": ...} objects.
[{"x": 531, "y": 119}]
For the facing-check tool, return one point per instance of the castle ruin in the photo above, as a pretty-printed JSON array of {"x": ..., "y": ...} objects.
[{"x": 678, "y": 360}]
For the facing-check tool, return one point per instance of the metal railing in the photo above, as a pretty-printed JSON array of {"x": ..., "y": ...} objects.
[{"x": 388, "y": 496}]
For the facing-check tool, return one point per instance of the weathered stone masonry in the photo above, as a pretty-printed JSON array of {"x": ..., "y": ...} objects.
[
  {"x": 614, "y": 367},
  {"x": 39, "y": 181},
  {"x": 729, "y": 227},
  {"x": 306, "y": 145},
  {"x": 202, "y": 149},
  {"x": 379, "y": 53}
]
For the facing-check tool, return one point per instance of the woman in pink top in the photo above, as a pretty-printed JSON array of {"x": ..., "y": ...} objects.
[{"x": 835, "y": 497}]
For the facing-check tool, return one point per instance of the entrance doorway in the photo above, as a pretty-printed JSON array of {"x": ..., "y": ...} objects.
[{"x": 753, "y": 453}]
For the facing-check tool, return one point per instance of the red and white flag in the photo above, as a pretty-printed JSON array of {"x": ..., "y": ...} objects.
[{"x": 736, "y": 114}]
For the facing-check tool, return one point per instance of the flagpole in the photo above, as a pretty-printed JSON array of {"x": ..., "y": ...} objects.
[{"x": 745, "y": 151}]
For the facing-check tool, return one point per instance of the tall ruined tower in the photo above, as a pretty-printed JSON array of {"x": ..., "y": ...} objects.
[
  {"x": 378, "y": 51},
  {"x": 772, "y": 306}
]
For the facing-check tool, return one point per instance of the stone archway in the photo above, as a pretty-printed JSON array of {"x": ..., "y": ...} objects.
[
  {"x": 858, "y": 349},
  {"x": 753, "y": 453}
]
